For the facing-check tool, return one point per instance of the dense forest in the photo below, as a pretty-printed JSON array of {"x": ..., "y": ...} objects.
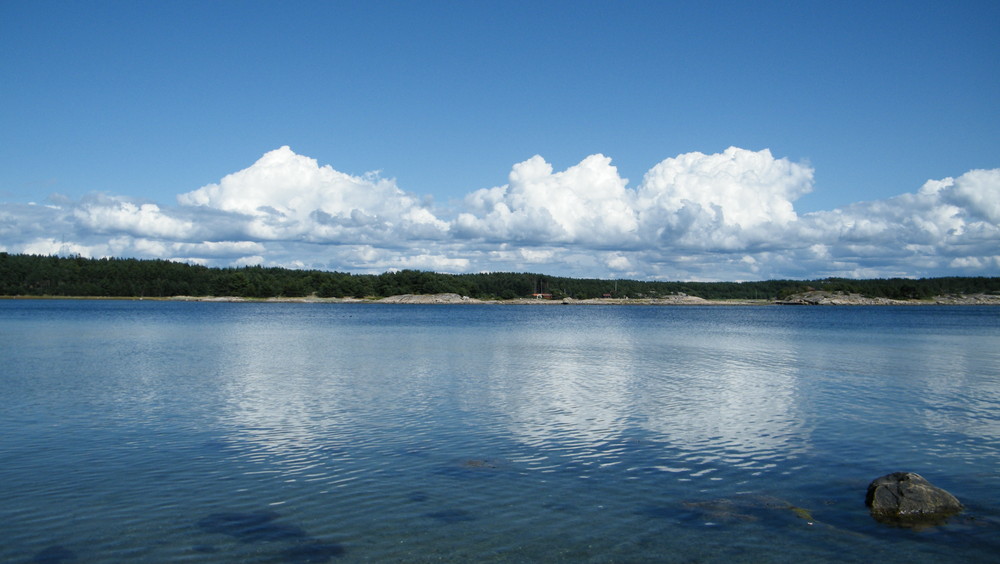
[{"x": 32, "y": 275}]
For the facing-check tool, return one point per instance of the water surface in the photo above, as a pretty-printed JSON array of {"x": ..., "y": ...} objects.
[{"x": 208, "y": 432}]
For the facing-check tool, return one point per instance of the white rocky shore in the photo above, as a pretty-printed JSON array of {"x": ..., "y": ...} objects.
[
  {"x": 841, "y": 298},
  {"x": 429, "y": 299},
  {"x": 805, "y": 298},
  {"x": 449, "y": 298},
  {"x": 680, "y": 299}
]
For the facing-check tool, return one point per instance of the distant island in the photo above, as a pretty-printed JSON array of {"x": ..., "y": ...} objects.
[{"x": 51, "y": 276}]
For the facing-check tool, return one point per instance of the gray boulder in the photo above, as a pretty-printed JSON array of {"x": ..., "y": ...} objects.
[{"x": 906, "y": 498}]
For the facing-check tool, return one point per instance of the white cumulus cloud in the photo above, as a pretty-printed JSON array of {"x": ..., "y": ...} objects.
[
  {"x": 744, "y": 188},
  {"x": 730, "y": 200},
  {"x": 289, "y": 196},
  {"x": 115, "y": 214},
  {"x": 977, "y": 192},
  {"x": 587, "y": 203},
  {"x": 943, "y": 220}
]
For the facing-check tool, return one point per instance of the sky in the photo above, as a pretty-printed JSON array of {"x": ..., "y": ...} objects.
[{"x": 643, "y": 140}]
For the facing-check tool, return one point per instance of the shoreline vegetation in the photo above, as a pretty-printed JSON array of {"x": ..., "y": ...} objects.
[{"x": 51, "y": 277}]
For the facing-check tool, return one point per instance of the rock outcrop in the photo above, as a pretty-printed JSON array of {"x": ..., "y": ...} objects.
[
  {"x": 429, "y": 299},
  {"x": 819, "y": 297},
  {"x": 970, "y": 299},
  {"x": 822, "y": 297},
  {"x": 906, "y": 498}
]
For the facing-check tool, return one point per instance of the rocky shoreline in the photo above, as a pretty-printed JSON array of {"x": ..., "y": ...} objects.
[
  {"x": 807, "y": 298},
  {"x": 841, "y": 298}
]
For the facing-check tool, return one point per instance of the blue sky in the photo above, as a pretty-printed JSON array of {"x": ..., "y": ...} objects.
[{"x": 107, "y": 107}]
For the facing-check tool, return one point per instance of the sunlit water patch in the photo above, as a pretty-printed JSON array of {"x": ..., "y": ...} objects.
[{"x": 208, "y": 432}]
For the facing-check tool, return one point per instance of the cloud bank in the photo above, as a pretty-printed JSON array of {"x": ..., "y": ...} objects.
[{"x": 723, "y": 216}]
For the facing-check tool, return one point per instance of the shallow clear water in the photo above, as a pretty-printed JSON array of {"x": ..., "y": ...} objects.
[{"x": 214, "y": 432}]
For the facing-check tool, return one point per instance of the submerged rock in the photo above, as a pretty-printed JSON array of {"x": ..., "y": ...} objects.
[
  {"x": 261, "y": 527},
  {"x": 251, "y": 527},
  {"x": 54, "y": 555},
  {"x": 746, "y": 507},
  {"x": 908, "y": 499},
  {"x": 480, "y": 463},
  {"x": 451, "y": 515}
]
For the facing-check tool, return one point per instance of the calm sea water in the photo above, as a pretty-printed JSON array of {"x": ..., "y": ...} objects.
[{"x": 233, "y": 432}]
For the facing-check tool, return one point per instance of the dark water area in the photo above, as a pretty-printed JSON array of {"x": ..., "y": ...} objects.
[{"x": 242, "y": 432}]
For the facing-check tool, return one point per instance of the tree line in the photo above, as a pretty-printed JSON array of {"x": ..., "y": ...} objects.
[{"x": 34, "y": 275}]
